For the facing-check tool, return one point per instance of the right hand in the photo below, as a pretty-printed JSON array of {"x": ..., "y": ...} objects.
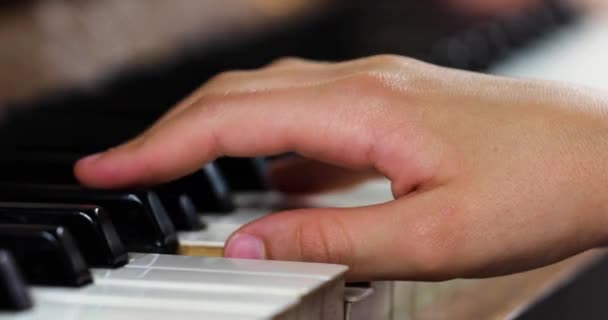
[{"x": 490, "y": 175}]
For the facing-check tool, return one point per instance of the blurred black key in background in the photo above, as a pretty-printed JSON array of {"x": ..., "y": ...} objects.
[
  {"x": 245, "y": 174},
  {"x": 206, "y": 188},
  {"x": 180, "y": 208},
  {"x": 14, "y": 294},
  {"x": 47, "y": 255},
  {"x": 90, "y": 225},
  {"x": 139, "y": 217}
]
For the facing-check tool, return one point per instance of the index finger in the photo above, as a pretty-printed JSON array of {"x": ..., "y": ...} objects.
[{"x": 311, "y": 120}]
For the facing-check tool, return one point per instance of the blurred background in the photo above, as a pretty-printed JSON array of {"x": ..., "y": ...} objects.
[
  {"x": 142, "y": 56},
  {"x": 60, "y": 45}
]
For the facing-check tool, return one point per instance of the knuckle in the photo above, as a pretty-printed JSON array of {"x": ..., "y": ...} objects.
[
  {"x": 372, "y": 93},
  {"x": 365, "y": 83},
  {"x": 324, "y": 240},
  {"x": 210, "y": 104},
  {"x": 386, "y": 79},
  {"x": 226, "y": 76},
  {"x": 391, "y": 60}
]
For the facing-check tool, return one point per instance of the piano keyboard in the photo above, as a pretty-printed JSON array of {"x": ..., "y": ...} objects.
[
  {"x": 192, "y": 216},
  {"x": 156, "y": 286}
]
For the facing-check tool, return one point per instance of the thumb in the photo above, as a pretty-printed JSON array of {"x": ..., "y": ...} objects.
[{"x": 403, "y": 239}]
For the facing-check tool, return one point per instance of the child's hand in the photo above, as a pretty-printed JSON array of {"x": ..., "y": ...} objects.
[{"x": 490, "y": 175}]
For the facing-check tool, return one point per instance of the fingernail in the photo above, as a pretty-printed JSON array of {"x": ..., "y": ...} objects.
[{"x": 245, "y": 246}]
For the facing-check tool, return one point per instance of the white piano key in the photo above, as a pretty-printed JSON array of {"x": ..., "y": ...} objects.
[
  {"x": 226, "y": 303},
  {"x": 221, "y": 226},
  {"x": 207, "y": 281},
  {"x": 214, "y": 236},
  {"x": 120, "y": 290},
  {"x": 320, "y": 292},
  {"x": 241, "y": 266},
  {"x": 320, "y": 286},
  {"x": 70, "y": 311},
  {"x": 368, "y": 193}
]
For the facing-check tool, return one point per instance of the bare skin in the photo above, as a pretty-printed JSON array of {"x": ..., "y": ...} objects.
[{"x": 490, "y": 175}]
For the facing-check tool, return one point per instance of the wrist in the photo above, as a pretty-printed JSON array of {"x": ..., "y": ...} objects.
[
  {"x": 583, "y": 133},
  {"x": 598, "y": 181},
  {"x": 603, "y": 159}
]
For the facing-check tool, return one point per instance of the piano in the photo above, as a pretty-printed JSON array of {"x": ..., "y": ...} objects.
[{"x": 79, "y": 83}]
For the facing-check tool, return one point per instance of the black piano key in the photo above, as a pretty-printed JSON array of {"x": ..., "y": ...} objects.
[
  {"x": 181, "y": 210},
  {"x": 139, "y": 217},
  {"x": 47, "y": 255},
  {"x": 564, "y": 12},
  {"x": 497, "y": 39},
  {"x": 453, "y": 52},
  {"x": 14, "y": 295},
  {"x": 244, "y": 174},
  {"x": 481, "y": 51},
  {"x": 206, "y": 188},
  {"x": 90, "y": 226},
  {"x": 57, "y": 168},
  {"x": 519, "y": 29}
]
